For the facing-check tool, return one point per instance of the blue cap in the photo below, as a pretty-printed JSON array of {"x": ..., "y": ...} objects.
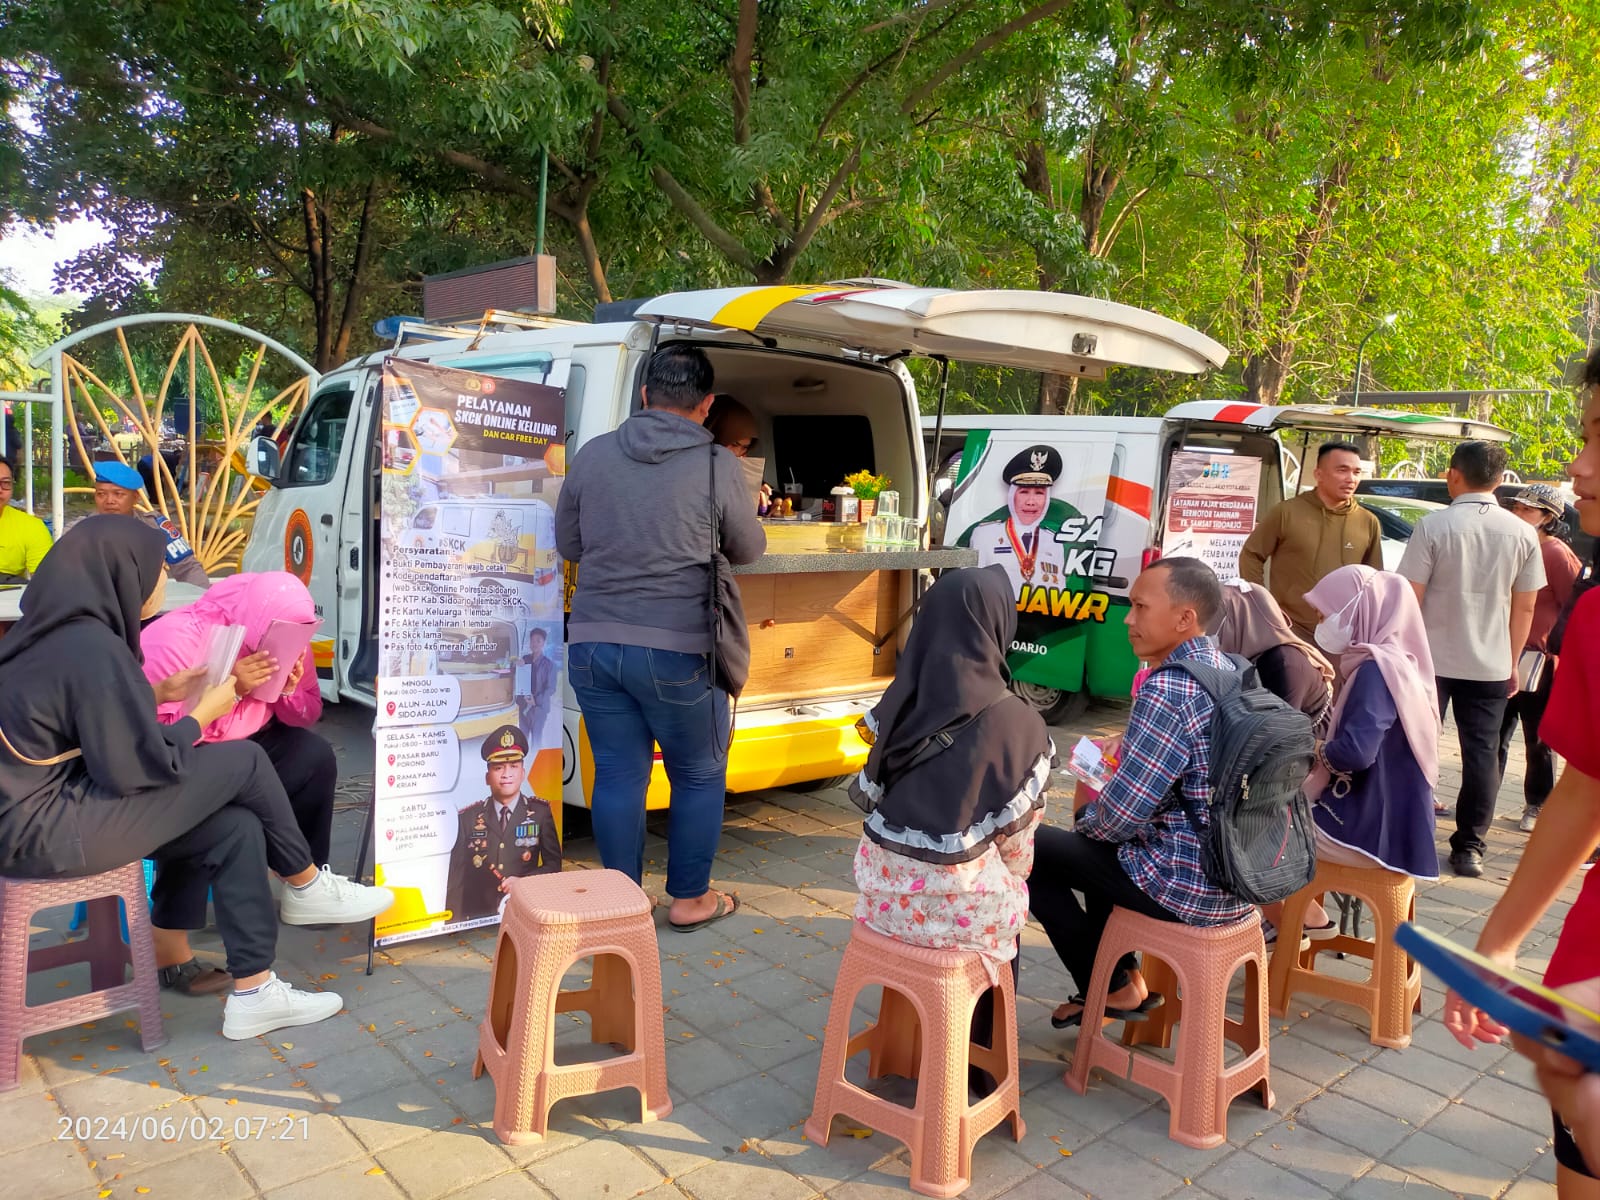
[{"x": 119, "y": 474}]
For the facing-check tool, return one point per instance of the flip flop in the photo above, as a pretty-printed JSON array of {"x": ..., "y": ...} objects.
[
  {"x": 1072, "y": 1020},
  {"x": 1320, "y": 933},
  {"x": 727, "y": 905}
]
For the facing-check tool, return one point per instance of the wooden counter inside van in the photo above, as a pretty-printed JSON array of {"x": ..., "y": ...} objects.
[{"x": 815, "y": 617}]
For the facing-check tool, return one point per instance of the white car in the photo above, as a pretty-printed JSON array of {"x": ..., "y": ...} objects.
[{"x": 1396, "y": 516}]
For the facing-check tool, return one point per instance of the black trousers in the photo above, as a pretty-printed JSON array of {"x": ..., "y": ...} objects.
[
  {"x": 306, "y": 770},
  {"x": 1480, "y": 710},
  {"x": 1065, "y": 862},
  {"x": 309, "y": 771},
  {"x": 1528, "y": 707},
  {"x": 223, "y": 828}
]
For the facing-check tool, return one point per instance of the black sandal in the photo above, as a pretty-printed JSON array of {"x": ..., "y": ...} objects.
[
  {"x": 1153, "y": 1000},
  {"x": 192, "y": 979}
]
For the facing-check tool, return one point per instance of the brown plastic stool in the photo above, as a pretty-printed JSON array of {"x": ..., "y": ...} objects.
[
  {"x": 1201, "y": 964},
  {"x": 1393, "y": 990},
  {"x": 103, "y": 949},
  {"x": 928, "y": 999},
  {"x": 551, "y": 921}
]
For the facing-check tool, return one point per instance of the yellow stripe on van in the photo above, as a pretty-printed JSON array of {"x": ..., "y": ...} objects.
[
  {"x": 754, "y": 306},
  {"x": 322, "y": 651}
]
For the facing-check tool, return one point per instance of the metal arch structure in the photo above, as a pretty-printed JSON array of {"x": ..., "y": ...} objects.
[{"x": 205, "y": 521}]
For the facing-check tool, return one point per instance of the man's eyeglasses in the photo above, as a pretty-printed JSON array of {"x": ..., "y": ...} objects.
[{"x": 6, "y": 484}]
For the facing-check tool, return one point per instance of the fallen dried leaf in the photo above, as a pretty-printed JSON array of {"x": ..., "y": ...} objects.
[
  {"x": 1065, "y": 1153},
  {"x": 376, "y": 1171}
]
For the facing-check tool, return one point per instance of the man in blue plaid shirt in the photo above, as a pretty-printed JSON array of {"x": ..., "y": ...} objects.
[{"x": 1133, "y": 845}]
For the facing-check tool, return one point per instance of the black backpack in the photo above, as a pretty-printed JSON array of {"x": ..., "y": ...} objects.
[{"x": 1258, "y": 843}]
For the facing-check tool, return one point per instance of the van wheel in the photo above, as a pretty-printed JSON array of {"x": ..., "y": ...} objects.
[{"x": 1051, "y": 703}]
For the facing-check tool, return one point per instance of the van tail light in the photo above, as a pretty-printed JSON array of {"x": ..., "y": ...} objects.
[{"x": 1149, "y": 556}]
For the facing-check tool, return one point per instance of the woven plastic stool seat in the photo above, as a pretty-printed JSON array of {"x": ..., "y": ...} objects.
[
  {"x": 1199, "y": 963},
  {"x": 1393, "y": 990},
  {"x": 552, "y": 921},
  {"x": 103, "y": 949},
  {"x": 923, "y": 1032}
]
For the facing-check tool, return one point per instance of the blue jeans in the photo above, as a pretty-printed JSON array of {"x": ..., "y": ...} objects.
[{"x": 634, "y": 699}]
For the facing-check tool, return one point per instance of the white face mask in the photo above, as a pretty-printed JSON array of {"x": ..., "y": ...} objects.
[{"x": 1332, "y": 634}]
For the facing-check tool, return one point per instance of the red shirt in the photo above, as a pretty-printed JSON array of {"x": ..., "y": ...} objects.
[{"x": 1568, "y": 727}]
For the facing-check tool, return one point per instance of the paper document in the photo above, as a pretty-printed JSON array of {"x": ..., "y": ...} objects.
[
  {"x": 754, "y": 469},
  {"x": 221, "y": 652},
  {"x": 1089, "y": 764},
  {"x": 286, "y": 641}
]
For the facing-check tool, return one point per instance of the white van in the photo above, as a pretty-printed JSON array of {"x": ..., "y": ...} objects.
[
  {"x": 1191, "y": 482},
  {"x": 822, "y": 370}
]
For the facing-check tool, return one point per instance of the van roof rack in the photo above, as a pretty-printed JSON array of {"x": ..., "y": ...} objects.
[{"x": 495, "y": 320}]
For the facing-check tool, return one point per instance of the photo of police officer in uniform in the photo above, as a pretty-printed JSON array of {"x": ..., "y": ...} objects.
[
  {"x": 504, "y": 835},
  {"x": 1023, "y": 536}
]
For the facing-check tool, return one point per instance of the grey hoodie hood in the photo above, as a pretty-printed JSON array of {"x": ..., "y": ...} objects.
[{"x": 651, "y": 436}]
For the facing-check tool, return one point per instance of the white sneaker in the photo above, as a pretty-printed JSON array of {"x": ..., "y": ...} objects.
[
  {"x": 276, "y": 1005},
  {"x": 1530, "y": 817},
  {"x": 331, "y": 899}
]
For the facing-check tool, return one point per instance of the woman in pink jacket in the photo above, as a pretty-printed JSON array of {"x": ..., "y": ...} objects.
[{"x": 303, "y": 760}]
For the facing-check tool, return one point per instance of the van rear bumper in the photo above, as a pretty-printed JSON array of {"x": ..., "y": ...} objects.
[{"x": 771, "y": 748}]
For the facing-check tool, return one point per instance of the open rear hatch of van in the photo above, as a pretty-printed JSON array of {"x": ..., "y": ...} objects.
[
  {"x": 1038, "y": 331},
  {"x": 1340, "y": 420}
]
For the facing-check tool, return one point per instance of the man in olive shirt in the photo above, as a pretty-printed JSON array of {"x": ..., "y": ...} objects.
[
  {"x": 1477, "y": 571},
  {"x": 1313, "y": 535}
]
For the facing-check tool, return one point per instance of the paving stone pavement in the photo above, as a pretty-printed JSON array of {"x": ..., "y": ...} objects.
[{"x": 379, "y": 1101}]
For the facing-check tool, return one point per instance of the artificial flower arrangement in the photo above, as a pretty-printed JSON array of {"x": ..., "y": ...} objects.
[{"x": 866, "y": 485}]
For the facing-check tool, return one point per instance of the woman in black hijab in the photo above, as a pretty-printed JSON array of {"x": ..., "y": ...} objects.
[
  {"x": 956, "y": 780},
  {"x": 91, "y": 781}
]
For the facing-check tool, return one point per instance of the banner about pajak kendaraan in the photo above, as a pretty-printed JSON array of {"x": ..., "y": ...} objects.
[
  {"x": 467, "y": 791},
  {"x": 1211, "y": 507}
]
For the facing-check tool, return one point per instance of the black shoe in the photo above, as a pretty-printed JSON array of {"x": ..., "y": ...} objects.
[{"x": 1467, "y": 863}]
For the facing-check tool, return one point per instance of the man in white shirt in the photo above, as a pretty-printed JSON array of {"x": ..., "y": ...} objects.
[{"x": 1477, "y": 571}]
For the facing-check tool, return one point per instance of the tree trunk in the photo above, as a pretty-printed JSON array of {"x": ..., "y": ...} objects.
[{"x": 355, "y": 286}]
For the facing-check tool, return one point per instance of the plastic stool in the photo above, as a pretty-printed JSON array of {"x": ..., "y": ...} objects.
[
  {"x": 551, "y": 921},
  {"x": 928, "y": 999},
  {"x": 80, "y": 911},
  {"x": 1201, "y": 963},
  {"x": 104, "y": 950},
  {"x": 1393, "y": 990}
]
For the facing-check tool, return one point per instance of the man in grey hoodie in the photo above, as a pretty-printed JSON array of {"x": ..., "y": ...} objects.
[{"x": 635, "y": 514}]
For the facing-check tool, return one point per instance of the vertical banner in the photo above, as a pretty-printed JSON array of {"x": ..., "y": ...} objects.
[
  {"x": 467, "y": 791},
  {"x": 1039, "y": 510},
  {"x": 1211, "y": 508}
]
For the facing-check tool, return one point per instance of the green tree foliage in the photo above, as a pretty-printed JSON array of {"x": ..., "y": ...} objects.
[{"x": 1275, "y": 175}]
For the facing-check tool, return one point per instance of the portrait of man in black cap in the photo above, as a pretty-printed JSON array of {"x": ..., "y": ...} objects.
[
  {"x": 504, "y": 835},
  {"x": 1024, "y": 536}
]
